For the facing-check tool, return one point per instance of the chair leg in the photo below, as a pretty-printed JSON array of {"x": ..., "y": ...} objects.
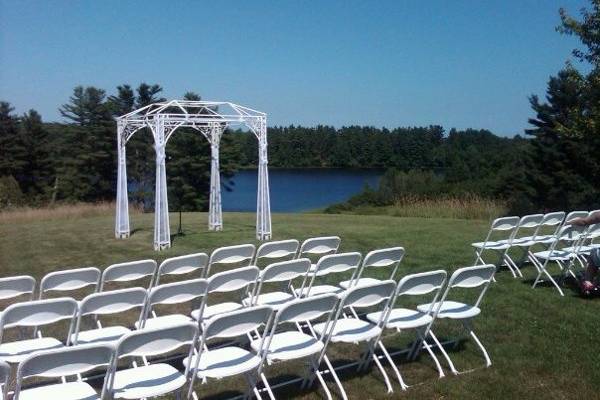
[
  {"x": 371, "y": 356},
  {"x": 427, "y": 347},
  {"x": 403, "y": 385},
  {"x": 444, "y": 353},
  {"x": 543, "y": 271},
  {"x": 267, "y": 386},
  {"x": 315, "y": 372},
  {"x": 335, "y": 378},
  {"x": 468, "y": 326}
]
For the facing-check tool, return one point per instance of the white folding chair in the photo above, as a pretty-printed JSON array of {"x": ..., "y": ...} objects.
[
  {"x": 59, "y": 364},
  {"x": 15, "y": 286},
  {"x": 182, "y": 265},
  {"x": 476, "y": 277},
  {"x": 383, "y": 258},
  {"x": 170, "y": 294},
  {"x": 291, "y": 344},
  {"x": 239, "y": 256},
  {"x": 152, "y": 378},
  {"x": 402, "y": 318},
  {"x": 69, "y": 280},
  {"x": 4, "y": 376},
  {"x": 504, "y": 228},
  {"x": 542, "y": 259},
  {"x": 231, "y": 360},
  {"x": 128, "y": 272},
  {"x": 318, "y": 247},
  {"x": 101, "y": 304},
  {"x": 326, "y": 266},
  {"x": 522, "y": 238},
  {"x": 34, "y": 314},
  {"x": 281, "y": 250},
  {"x": 352, "y": 329},
  {"x": 231, "y": 281},
  {"x": 282, "y": 273}
]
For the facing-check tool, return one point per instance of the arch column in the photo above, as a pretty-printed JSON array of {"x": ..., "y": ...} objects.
[
  {"x": 215, "y": 211},
  {"x": 263, "y": 201},
  {"x": 162, "y": 231},
  {"x": 122, "y": 206}
]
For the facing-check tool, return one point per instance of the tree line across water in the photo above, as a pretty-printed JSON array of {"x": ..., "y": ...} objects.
[{"x": 555, "y": 165}]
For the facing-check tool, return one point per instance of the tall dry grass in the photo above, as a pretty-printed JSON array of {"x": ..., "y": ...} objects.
[
  {"x": 59, "y": 211},
  {"x": 465, "y": 207}
]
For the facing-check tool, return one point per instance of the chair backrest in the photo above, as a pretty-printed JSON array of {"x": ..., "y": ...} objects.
[
  {"x": 70, "y": 280},
  {"x": 38, "y": 313},
  {"x": 575, "y": 214},
  {"x": 307, "y": 309},
  {"x": 232, "y": 280},
  {"x": 368, "y": 295},
  {"x": 67, "y": 361},
  {"x": 331, "y": 264},
  {"x": 240, "y": 255},
  {"x": 284, "y": 271},
  {"x": 278, "y": 250},
  {"x": 15, "y": 286},
  {"x": 237, "y": 323},
  {"x": 504, "y": 225},
  {"x": 129, "y": 271},
  {"x": 421, "y": 283},
  {"x": 479, "y": 276},
  {"x": 113, "y": 302},
  {"x": 182, "y": 265},
  {"x": 528, "y": 223},
  {"x": 319, "y": 246},
  {"x": 175, "y": 293},
  {"x": 388, "y": 258},
  {"x": 151, "y": 342},
  {"x": 551, "y": 220},
  {"x": 335, "y": 263}
]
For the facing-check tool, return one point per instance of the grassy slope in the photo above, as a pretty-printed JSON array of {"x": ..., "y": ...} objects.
[{"x": 539, "y": 342}]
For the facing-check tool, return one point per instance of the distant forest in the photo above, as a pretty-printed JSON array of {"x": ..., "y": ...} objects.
[
  {"x": 76, "y": 161},
  {"x": 43, "y": 163}
]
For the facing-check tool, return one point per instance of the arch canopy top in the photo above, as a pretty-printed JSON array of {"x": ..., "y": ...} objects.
[{"x": 195, "y": 114}]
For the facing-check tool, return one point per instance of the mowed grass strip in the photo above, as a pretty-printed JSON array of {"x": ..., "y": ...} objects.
[{"x": 540, "y": 344}]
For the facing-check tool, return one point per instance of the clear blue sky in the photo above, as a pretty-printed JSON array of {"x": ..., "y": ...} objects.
[{"x": 389, "y": 63}]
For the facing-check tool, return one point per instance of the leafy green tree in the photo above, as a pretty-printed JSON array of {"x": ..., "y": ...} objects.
[{"x": 14, "y": 154}]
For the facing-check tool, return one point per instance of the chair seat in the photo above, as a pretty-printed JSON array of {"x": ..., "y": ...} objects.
[
  {"x": 490, "y": 245},
  {"x": 224, "y": 362},
  {"x": 290, "y": 345},
  {"x": 274, "y": 299},
  {"x": 62, "y": 391},
  {"x": 360, "y": 282},
  {"x": 216, "y": 309},
  {"x": 402, "y": 318},
  {"x": 101, "y": 335},
  {"x": 319, "y": 289},
  {"x": 350, "y": 330},
  {"x": 577, "y": 249},
  {"x": 452, "y": 310},
  {"x": 556, "y": 255},
  {"x": 147, "y": 381},
  {"x": 15, "y": 352},
  {"x": 526, "y": 241},
  {"x": 165, "y": 321}
]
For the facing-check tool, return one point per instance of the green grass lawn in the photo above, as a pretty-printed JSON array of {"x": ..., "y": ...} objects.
[{"x": 541, "y": 344}]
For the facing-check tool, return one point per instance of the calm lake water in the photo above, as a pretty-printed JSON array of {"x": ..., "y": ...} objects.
[{"x": 296, "y": 190}]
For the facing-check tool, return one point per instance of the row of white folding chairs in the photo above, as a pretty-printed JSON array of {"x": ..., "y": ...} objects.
[
  {"x": 279, "y": 341},
  {"x": 70, "y": 280},
  {"x": 524, "y": 233},
  {"x": 568, "y": 249}
]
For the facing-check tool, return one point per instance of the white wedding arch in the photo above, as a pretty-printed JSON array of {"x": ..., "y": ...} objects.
[{"x": 210, "y": 118}]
